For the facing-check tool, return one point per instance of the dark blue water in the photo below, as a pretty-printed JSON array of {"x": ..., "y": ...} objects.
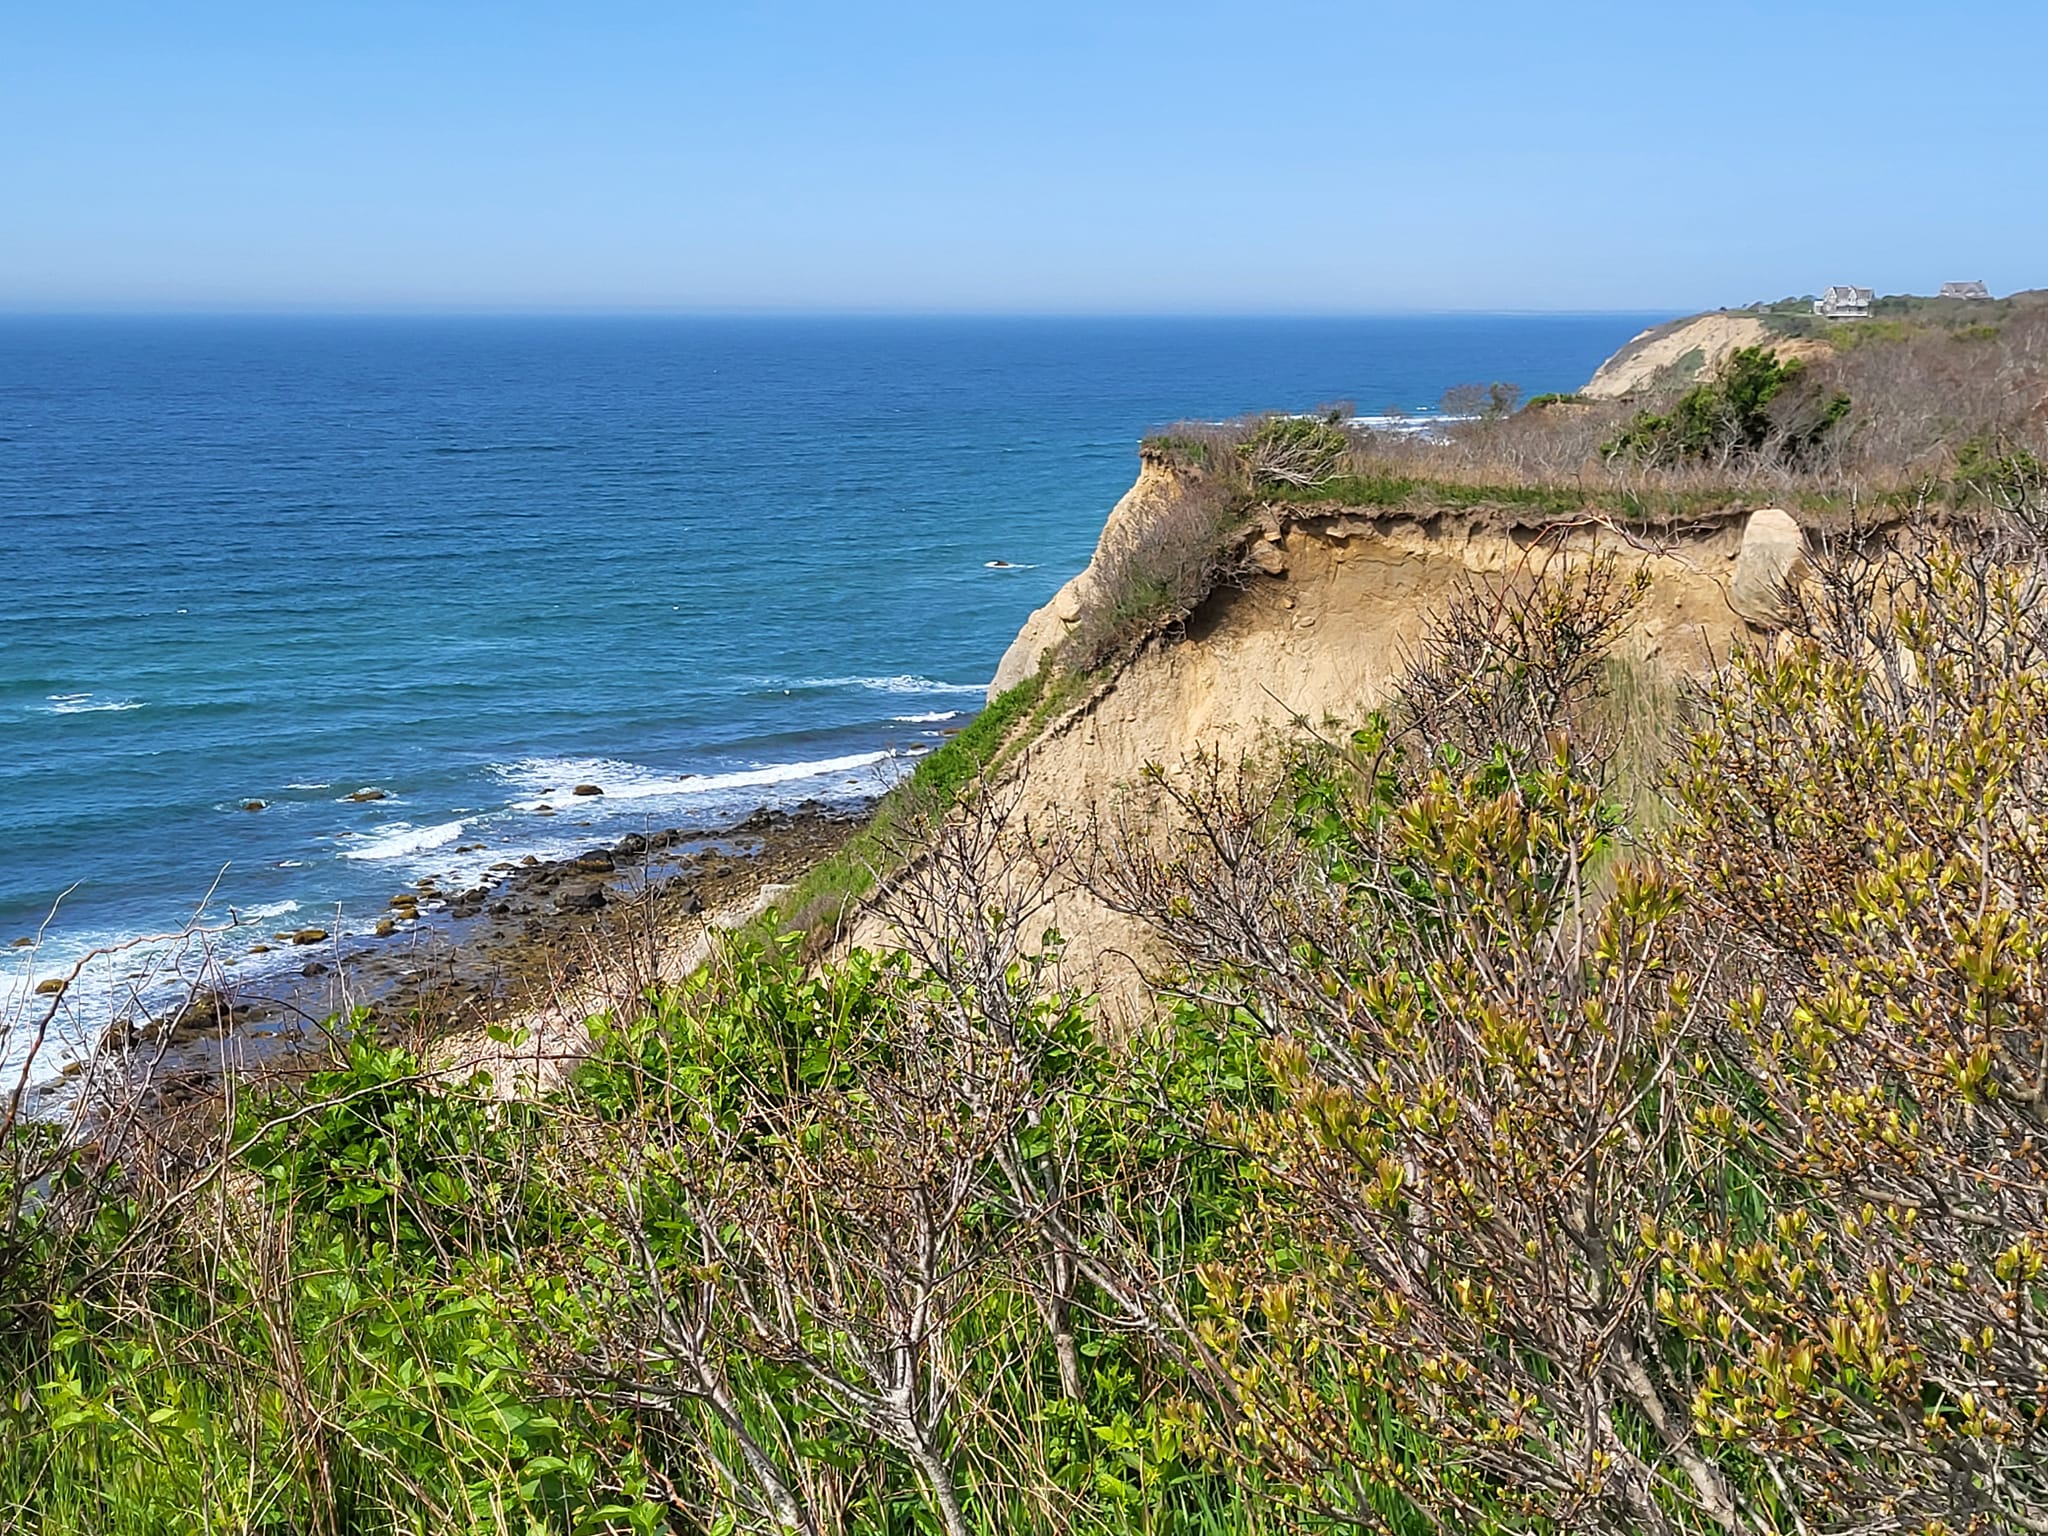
[{"x": 475, "y": 562}]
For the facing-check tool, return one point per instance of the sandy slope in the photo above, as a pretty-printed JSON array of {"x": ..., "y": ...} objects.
[{"x": 1653, "y": 358}]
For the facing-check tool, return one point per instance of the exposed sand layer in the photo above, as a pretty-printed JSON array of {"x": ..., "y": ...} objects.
[
  {"x": 1320, "y": 639},
  {"x": 1684, "y": 351}
]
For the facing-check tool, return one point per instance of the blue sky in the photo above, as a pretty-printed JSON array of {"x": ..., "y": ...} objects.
[{"x": 1251, "y": 157}]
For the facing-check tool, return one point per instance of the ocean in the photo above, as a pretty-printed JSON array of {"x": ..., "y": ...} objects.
[{"x": 705, "y": 564}]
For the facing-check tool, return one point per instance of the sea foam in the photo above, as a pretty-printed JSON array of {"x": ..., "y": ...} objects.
[
  {"x": 902, "y": 682},
  {"x": 402, "y": 838},
  {"x": 88, "y": 704},
  {"x": 553, "y": 780}
]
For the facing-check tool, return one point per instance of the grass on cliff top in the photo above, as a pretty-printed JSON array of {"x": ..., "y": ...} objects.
[
  {"x": 1393, "y": 491},
  {"x": 819, "y": 902}
]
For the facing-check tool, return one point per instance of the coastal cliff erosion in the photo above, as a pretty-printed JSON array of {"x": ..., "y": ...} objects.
[{"x": 1320, "y": 608}]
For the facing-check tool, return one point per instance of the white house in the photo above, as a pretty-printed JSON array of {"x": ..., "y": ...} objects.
[
  {"x": 1845, "y": 304},
  {"x": 1964, "y": 291}
]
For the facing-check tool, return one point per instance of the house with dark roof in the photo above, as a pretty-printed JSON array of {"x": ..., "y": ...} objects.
[{"x": 1964, "y": 291}]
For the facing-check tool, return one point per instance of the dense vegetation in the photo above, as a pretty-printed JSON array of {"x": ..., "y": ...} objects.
[
  {"x": 1520, "y": 1148},
  {"x": 1753, "y": 407}
]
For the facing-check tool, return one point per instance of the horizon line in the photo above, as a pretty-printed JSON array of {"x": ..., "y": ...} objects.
[{"x": 312, "y": 311}]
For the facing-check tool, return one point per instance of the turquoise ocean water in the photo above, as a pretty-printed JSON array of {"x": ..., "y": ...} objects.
[{"x": 475, "y": 562}]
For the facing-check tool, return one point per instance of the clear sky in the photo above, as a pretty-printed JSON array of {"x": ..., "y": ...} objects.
[{"x": 1257, "y": 156}]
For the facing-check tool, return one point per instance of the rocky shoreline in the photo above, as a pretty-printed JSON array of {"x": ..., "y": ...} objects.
[{"x": 443, "y": 964}]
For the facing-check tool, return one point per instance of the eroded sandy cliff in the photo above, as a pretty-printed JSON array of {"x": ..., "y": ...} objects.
[{"x": 1319, "y": 635}]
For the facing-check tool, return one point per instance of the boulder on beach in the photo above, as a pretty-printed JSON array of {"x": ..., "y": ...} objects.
[{"x": 386, "y": 927}]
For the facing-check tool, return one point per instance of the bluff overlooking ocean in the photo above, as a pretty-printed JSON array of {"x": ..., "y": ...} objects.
[{"x": 704, "y": 565}]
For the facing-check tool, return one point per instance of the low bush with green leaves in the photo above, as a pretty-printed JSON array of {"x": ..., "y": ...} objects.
[
  {"x": 1755, "y": 407},
  {"x": 1500, "y": 1159}
]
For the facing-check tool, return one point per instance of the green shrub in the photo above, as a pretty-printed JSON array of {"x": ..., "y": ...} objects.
[{"x": 1749, "y": 410}]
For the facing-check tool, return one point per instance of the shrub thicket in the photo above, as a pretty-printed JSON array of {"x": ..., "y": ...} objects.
[
  {"x": 1499, "y": 1163},
  {"x": 1754, "y": 407}
]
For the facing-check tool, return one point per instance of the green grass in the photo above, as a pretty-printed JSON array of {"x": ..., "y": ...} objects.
[{"x": 822, "y": 897}]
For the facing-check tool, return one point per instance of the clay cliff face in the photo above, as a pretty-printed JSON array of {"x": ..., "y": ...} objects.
[{"x": 1320, "y": 632}]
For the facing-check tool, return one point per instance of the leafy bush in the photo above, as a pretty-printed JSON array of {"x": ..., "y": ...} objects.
[
  {"x": 1493, "y": 1165},
  {"x": 1705, "y": 1193},
  {"x": 1750, "y": 409}
]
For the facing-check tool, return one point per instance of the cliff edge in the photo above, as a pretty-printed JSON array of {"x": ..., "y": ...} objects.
[{"x": 1319, "y": 629}]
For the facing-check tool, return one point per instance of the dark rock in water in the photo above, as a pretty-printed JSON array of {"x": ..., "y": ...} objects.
[
  {"x": 404, "y": 899},
  {"x": 310, "y": 936},
  {"x": 54, "y": 987},
  {"x": 475, "y": 896},
  {"x": 312, "y": 968},
  {"x": 255, "y": 805},
  {"x": 501, "y": 909},
  {"x": 364, "y": 796},
  {"x": 259, "y": 949},
  {"x": 204, "y": 1013},
  {"x": 386, "y": 927},
  {"x": 24, "y": 942},
  {"x": 762, "y": 820},
  {"x": 630, "y": 846},
  {"x": 529, "y": 862},
  {"x": 586, "y": 789},
  {"x": 595, "y": 862}
]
